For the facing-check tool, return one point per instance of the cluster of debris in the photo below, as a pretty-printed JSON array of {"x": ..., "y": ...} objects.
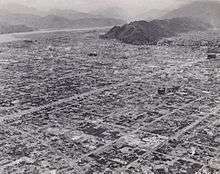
[
  {"x": 213, "y": 53},
  {"x": 92, "y": 54},
  {"x": 164, "y": 90}
]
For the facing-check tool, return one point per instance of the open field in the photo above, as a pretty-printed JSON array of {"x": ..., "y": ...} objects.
[{"x": 65, "y": 112}]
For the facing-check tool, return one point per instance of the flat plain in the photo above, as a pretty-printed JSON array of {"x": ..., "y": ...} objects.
[{"x": 72, "y": 103}]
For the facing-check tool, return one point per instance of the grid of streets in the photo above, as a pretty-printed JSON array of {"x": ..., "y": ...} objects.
[{"x": 65, "y": 112}]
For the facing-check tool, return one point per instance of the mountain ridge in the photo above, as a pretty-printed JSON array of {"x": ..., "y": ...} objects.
[
  {"x": 142, "y": 32},
  {"x": 206, "y": 11},
  {"x": 53, "y": 19}
]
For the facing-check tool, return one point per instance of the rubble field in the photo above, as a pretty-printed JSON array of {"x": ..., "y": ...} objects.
[{"x": 72, "y": 103}]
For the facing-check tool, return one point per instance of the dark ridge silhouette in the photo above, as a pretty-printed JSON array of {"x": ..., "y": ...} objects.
[{"x": 142, "y": 32}]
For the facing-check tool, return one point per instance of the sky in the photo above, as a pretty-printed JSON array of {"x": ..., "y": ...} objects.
[{"x": 132, "y": 7}]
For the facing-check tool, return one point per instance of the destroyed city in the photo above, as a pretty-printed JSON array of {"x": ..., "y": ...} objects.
[{"x": 109, "y": 87}]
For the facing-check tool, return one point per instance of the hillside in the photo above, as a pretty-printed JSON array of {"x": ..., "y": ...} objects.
[
  {"x": 142, "y": 32},
  {"x": 97, "y": 22},
  {"x": 207, "y": 11},
  {"x": 6, "y": 28},
  {"x": 53, "y": 21},
  {"x": 72, "y": 14}
]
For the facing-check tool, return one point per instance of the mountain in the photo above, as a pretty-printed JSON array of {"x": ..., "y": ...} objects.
[
  {"x": 142, "y": 32},
  {"x": 6, "y": 28},
  {"x": 112, "y": 12},
  {"x": 54, "y": 21},
  {"x": 62, "y": 19},
  {"x": 71, "y": 14},
  {"x": 97, "y": 22},
  {"x": 57, "y": 22},
  {"x": 51, "y": 21},
  {"x": 206, "y": 11},
  {"x": 152, "y": 14}
]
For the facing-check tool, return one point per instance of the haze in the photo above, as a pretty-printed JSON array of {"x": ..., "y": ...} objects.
[{"x": 131, "y": 7}]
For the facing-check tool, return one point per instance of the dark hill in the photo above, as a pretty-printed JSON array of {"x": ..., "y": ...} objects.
[{"x": 142, "y": 32}]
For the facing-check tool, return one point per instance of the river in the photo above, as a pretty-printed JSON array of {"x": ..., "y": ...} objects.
[{"x": 21, "y": 36}]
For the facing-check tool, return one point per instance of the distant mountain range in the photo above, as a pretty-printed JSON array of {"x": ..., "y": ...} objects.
[
  {"x": 15, "y": 14},
  {"x": 19, "y": 15},
  {"x": 53, "y": 22},
  {"x": 71, "y": 14},
  {"x": 142, "y": 32},
  {"x": 206, "y": 11}
]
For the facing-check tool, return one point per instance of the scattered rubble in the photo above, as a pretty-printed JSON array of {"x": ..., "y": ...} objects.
[
  {"x": 92, "y": 54},
  {"x": 63, "y": 112}
]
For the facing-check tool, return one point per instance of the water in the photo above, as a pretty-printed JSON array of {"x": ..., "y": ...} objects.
[{"x": 21, "y": 36}]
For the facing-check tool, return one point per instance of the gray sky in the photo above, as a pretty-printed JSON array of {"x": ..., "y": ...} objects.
[{"x": 131, "y": 6}]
